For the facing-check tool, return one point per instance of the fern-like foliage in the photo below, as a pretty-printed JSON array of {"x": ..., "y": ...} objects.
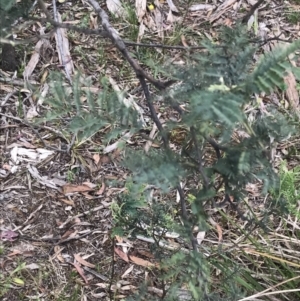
[
  {"x": 85, "y": 113},
  {"x": 215, "y": 89},
  {"x": 162, "y": 169},
  {"x": 286, "y": 194},
  {"x": 223, "y": 150},
  {"x": 269, "y": 73}
]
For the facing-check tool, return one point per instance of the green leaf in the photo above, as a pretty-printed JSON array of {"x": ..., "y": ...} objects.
[{"x": 18, "y": 281}]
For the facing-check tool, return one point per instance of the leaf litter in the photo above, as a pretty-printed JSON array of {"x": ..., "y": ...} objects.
[{"x": 45, "y": 209}]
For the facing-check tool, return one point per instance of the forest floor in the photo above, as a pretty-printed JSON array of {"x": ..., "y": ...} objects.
[{"x": 56, "y": 189}]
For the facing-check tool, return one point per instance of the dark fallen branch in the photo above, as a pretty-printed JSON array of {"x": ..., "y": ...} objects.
[{"x": 252, "y": 10}]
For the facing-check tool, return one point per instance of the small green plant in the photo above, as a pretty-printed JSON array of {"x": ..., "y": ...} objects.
[
  {"x": 292, "y": 17},
  {"x": 14, "y": 278},
  {"x": 70, "y": 176},
  {"x": 221, "y": 150},
  {"x": 287, "y": 191},
  {"x": 130, "y": 14}
]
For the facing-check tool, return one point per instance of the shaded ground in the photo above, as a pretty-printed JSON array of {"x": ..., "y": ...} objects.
[{"x": 55, "y": 204}]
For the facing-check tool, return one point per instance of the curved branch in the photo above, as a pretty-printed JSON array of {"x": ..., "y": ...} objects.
[{"x": 119, "y": 43}]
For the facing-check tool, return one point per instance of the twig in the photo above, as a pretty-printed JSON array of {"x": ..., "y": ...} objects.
[
  {"x": 56, "y": 24},
  {"x": 274, "y": 39},
  {"x": 252, "y": 10},
  {"x": 199, "y": 155},
  {"x": 162, "y": 243},
  {"x": 185, "y": 217},
  {"x": 36, "y": 132},
  {"x": 111, "y": 297},
  {"x": 153, "y": 112},
  {"x": 98, "y": 32},
  {"x": 217, "y": 147},
  {"x": 80, "y": 215},
  {"x": 71, "y": 238},
  {"x": 151, "y": 136},
  {"x": 119, "y": 43},
  {"x": 43, "y": 7},
  {"x": 98, "y": 275},
  {"x": 129, "y": 43},
  {"x": 167, "y": 147},
  {"x": 7, "y": 97},
  {"x": 71, "y": 143},
  {"x": 17, "y": 82}
]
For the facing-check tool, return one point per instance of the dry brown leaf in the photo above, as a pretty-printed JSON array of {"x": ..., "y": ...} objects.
[
  {"x": 83, "y": 261},
  {"x": 228, "y": 22},
  {"x": 6, "y": 166},
  {"x": 116, "y": 8},
  {"x": 70, "y": 188},
  {"x": 128, "y": 287},
  {"x": 31, "y": 113},
  {"x": 197, "y": 7},
  {"x": 80, "y": 271},
  {"x": 6, "y": 88},
  {"x": 105, "y": 159},
  {"x": 122, "y": 254},
  {"x": 219, "y": 229},
  {"x": 87, "y": 195},
  {"x": 96, "y": 158},
  {"x": 63, "y": 49},
  {"x": 291, "y": 91},
  {"x": 32, "y": 266},
  {"x": 200, "y": 237},
  {"x": 33, "y": 60},
  {"x": 101, "y": 190},
  {"x": 69, "y": 233},
  {"x": 183, "y": 41},
  {"x": 221, "y": 10},
  {"x": 159, "y": 21},
  {"x": 93, "y": 21},
  {"x": 142, "y": 28},
  {"x": 141, "y": 8},
  {"x": 32, "y": 214},
  {"x": 119, "y": 238},
  {"x": 226, "y": 5},
  {"x": 141, "y": 262},
  {"x": 57, "y": 254},
  {"x": 77, "y": 221},
  {"x": 89, "y": 184},
  {"x": 146, "y": 253},
  {"x": 68, "y": 202},
  {"x": 14, "y": 252},
  {"x": 172, "y": 6},
  {"x": 128, "y": 271}
]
